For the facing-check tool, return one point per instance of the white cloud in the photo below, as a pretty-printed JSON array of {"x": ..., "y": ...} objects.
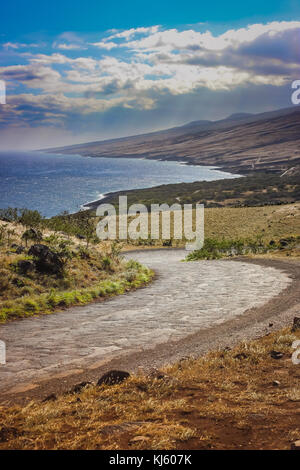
[
  {"x": 69, "y": 47},
  {"x": 56, "y": 58},
  {"x": 139, "y": 67},
  {"x": 108, "y": 44},
  {"x": 69, "y": 41},
  {"x": 57, "y": 104},
  {"x": 13, "y": 45},
  {"x": 105, "y": 45},
  {"x": 18, "y": 45},
  {"x": 129, "y": 33},
  {"x": 173, "y": 39},
  {"x": 33, "y": 76}
]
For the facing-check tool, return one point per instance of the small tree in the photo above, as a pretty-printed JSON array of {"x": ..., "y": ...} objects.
[
  {"x": 64, "y": 252},
  {"x": 10, "y": 214},
  {"x": 31, "y": 234},
  {"x": 30, "y": 218},
  {"x": 87, "y": 228}
]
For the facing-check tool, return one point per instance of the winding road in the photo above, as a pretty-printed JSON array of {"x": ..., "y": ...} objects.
[{"x": 184, "y": 298}]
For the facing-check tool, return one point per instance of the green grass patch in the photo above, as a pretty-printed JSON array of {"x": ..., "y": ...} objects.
[
  {"x": 216, "y": 249},
  {"x": 47, "y": 303}
]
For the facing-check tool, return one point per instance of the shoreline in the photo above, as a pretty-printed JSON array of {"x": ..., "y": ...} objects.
[
  {"x": 100, "y": 179},
  {"x": 226, "y": 167},
  {"x": 181, "y": 161},
  {"x": 86, "y": 206},
  {"x": 91, "y": 205}
]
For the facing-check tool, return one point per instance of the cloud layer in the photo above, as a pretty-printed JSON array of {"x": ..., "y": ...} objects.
[{"x": 83, "y": 84}]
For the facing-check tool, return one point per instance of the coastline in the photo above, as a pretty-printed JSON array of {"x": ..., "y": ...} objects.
[
  {"x": 66, "y": 182},
  {"x": 88, "y": 205},
  {"x": 182, "y": 160},
  {"x": 91, "y": 205}
]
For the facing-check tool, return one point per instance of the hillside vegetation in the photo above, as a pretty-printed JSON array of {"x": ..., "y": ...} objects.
[
  {"x": 255, "y": 225},
  {"x": 43, "y": 270},
  {"x": 256, "y": 190}
]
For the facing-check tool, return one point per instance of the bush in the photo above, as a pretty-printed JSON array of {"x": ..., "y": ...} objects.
[
  {"x": 32, "y": 234},
  {"x": 106, "y": 263},
  {"x": 5, "y": 280},
  {"x": 31, "y": 306},
  {"x": 30, "y": 218},
  {"x": 216, "y": 249}
]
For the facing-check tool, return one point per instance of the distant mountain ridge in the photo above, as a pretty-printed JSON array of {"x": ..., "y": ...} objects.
[
  {"x": 240, "y": 143},
  {"x": 232, "y": 117}
]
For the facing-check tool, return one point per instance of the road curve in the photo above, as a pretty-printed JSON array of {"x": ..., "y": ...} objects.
[{"x": 184, "y": 298}]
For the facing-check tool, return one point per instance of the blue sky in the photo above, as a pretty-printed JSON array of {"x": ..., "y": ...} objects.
[
  {"x": 78, "y": 71},
  {"x": 19, "y": 18}
]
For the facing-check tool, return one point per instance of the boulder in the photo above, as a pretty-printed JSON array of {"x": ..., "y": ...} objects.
[
  {"x": 296, "y": 324},
  {"x": 295, "y": 445},
  {"x": 46, "y": 260},
  {"x": 276, "y": 354},
  {"x": 39, "y": 250},
  {"x": 283, "y": 242},
  {"x": 24, "y": 266},
  {"x": 276, "y": 383},
  {"x": 113, "y": 377}
]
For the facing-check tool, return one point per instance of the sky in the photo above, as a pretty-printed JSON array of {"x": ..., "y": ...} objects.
[{"x": 79, "y": 71}]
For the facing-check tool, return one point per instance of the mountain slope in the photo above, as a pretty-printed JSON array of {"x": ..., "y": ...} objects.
[{"x": 241, "y": 143}]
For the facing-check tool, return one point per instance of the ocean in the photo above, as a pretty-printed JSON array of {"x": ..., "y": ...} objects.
[{"x": 52, "y": 183}]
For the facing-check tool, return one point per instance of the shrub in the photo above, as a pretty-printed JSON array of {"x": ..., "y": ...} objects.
[
  {"x": 5, "y": 280},
  {"x": 106, "y": 263},
  {"x": 32, "y": 234},
  {"x": 216, "y": 249},
  {"x": 31, "y": 306}
]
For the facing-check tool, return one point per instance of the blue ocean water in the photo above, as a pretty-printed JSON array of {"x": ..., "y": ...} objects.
[{"x": 52, "y": 183}]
